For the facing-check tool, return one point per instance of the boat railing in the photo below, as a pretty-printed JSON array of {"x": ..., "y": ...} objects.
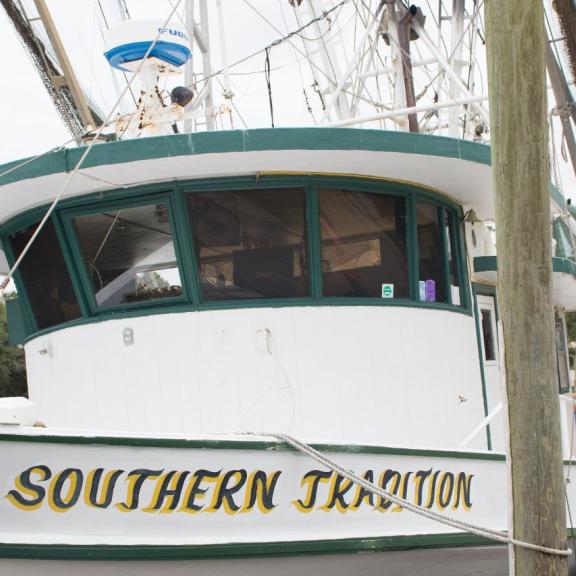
[{"x": 567, "y": 425}]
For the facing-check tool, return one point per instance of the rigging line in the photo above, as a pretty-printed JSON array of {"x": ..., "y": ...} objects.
[
  {"x": 364, "y": 19},
  {"x": 300, "y": 73},
  {"x": 126, "y": 9},
  {"x": 490, "y": 533},
  {"x": 108, "y": 28},
  {"x": 269, "y": 85},
  {"x": 182, "y": 21},
  {"x": 81, "y": 160},
  {"x": 321, "y": 40},
  {"x": 101, "y": 247},
  {"x": 34, "y": 158},
  {"x": 296, "y": 32},
  {"x": 233, "y": 105},
  {"x": 275, "y": 43},
  {"x": 296, "y": 60},
  {"x": 360, "y": 84}
]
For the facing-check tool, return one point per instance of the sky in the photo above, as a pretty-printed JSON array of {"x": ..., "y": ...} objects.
[{"x": 31, "y": 125}]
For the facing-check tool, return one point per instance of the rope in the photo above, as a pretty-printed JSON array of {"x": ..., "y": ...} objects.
[
  {"x": 269, "y": 84},
  {"x": 82, "y": 158},
  {"x": 564, "y": 111},
  {"x": 34, "y": 158},
  {"x": 489, "y": 533}
]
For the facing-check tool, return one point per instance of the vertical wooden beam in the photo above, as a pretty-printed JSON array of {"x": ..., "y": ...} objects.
[
  {"x": 404, "y": 27},
  {"x": 517, "y": 83},
  {"x": 70, "y": 78}
]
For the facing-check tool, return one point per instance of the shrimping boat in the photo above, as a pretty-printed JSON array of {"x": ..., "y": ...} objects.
[{"x": 223, "y": 327}]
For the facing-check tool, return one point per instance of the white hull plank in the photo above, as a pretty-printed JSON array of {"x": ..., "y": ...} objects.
[{"x": 228, "y": 493}]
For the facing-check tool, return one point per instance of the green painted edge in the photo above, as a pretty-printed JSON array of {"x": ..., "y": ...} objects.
[
  {"x": 221, "y": 444},
  {"x": 490, "y": 264},
  {"x": 171, "y": 307},
  {"x": 557, "y": 195},
  {"x": 245, "y": 549},
  {"x": 248, "y": 141}
]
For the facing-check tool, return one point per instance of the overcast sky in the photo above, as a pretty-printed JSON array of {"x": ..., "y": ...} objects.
[{"x": 30, "y": 124}]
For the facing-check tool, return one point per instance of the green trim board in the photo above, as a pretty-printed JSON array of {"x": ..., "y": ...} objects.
[
  {"x": 174, "y": 308},
  {"x": 85, "y": 284},
  {"x": 237, "y": 444},
  {"x": 245, "y": 549},
  {"x": 190, "y": 299},
  {"x": 262, "y": 139},
  {"x": 490, "y": 264}
]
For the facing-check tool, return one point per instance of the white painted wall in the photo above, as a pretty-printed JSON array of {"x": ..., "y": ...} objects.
[{"x": 386, "y": 375}]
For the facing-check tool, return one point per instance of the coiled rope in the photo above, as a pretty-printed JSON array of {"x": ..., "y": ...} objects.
[{"x": 496, "y": 535}]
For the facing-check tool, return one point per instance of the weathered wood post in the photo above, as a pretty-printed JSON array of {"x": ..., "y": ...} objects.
[{"x": 517, "y": 86}]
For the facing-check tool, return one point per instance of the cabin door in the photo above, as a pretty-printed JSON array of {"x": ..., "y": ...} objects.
[{"x": 490, "y": 354}]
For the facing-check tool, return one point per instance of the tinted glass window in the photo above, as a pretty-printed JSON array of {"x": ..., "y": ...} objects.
[
  {"x": 45, "y": 276},
  {"x": 129, "y": 254},
  {"x": 450, "y": 235},
  {"x": 488, "y": 335},
  {"x": 432, "y": 287},
  {"x": 363, "y": 238},
  {"x": 562, "y": 356},
  {"x": 250, "y": 244}
]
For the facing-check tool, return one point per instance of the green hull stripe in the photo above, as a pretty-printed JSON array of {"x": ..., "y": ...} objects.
[
  {"x": 490, "y": 264},
  {"x": 348, "y": 545},
  {"x": 250, "y": 141},
  {"x": 216, "y": 444}
]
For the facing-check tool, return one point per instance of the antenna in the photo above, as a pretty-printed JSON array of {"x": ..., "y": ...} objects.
[{"x": 129, "y": 50}]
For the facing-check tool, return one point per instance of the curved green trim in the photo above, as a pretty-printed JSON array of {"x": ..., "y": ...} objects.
[
  {"x": 170, "y": 307},
  {"x": 195, "y": 144},
  {"x": 564, "y": 265},
  {"x": 557, "y": 195},
  {"x": 233, "y": 444},
  {"x": 490, "y": 264},
  {"x": 245, "y": 549},
  {"x": 190, "y": 300}
]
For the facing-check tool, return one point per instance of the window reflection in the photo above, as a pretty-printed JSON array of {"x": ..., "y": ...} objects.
[
  {"x": 363, "y": 238},
  {"x": 45, "y": 276},
  {"x": 432, "y": 286},
  {"x": 129, "y": 254},
  {"x": 250, "y": 244},
  {"x": 450, "y": 234}
]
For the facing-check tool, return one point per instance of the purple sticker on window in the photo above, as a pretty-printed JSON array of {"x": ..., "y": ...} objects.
[{"x": 430, "y": 291}]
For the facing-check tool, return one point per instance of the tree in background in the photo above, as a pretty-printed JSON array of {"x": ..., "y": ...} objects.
[{"x": 12, "y": 366}]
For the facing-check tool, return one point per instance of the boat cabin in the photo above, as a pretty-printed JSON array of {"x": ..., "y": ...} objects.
[{"x": 337, "y": 284}]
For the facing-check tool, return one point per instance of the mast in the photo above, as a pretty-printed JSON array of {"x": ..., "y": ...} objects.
[
  {"x": 68, "y": 77},
  {"x": 516, "y": 52}
]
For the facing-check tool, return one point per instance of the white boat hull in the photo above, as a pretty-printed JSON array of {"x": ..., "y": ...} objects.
[{"x": 85, "y": 505}]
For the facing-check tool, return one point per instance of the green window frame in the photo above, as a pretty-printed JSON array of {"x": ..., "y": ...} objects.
[
  {"x": 68, "y": 216},
  {"x": 173, "y": 195},
  {"x": 245, "y": 185}
]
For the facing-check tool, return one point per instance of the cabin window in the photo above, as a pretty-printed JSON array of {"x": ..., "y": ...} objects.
[
  {"x": 363, "y": 244},
  {"x": 250, "y": 243},
  {"x": 488, "y": 335},
  {"x": 43, "y": 271},
  {"x": 431, "y": 260},
  {"x": 562, "y": 356},
  {"x": 129, "y": 254},
  {"x": 451, "y": 243}
]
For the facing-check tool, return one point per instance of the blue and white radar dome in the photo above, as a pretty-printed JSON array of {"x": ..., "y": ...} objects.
[{"x": 128, "y": 43}]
